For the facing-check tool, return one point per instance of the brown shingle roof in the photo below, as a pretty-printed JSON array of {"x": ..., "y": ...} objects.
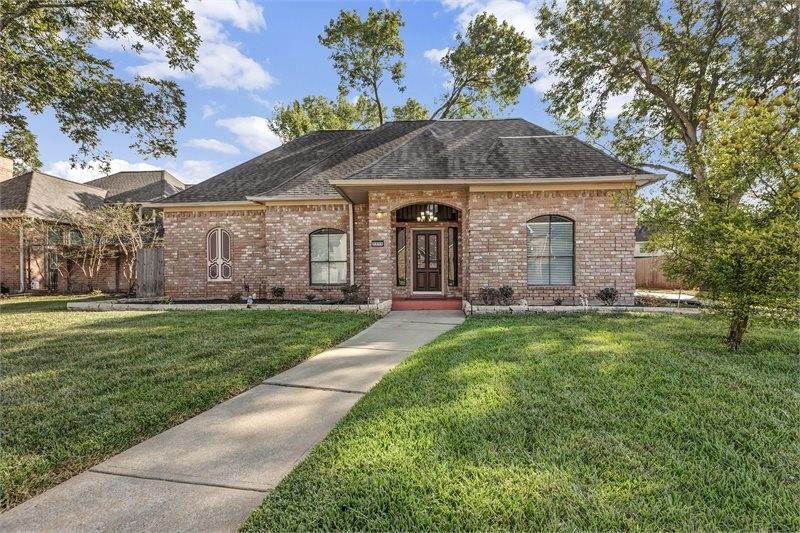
[
  {"x": 39, "y": 195},
  {"x": 438, "y": 150},
  {"x": 138, "y": 186}
]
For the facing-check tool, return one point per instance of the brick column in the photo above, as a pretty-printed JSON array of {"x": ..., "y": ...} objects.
[{"x": 379, "y": 259}]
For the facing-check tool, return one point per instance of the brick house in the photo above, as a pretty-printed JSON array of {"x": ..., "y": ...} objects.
[
  {"x": 412, "y": 209},
  {"x": 26, "y": 265}
]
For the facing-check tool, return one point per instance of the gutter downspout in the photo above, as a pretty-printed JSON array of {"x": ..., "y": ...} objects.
[
  {"x": 21, "y": 261},
  {"x": 352, "y": 245}
]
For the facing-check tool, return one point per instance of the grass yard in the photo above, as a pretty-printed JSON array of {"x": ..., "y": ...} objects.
[
  {"x": 580, "y": 423},
  {"x": 79, "y": 387}
]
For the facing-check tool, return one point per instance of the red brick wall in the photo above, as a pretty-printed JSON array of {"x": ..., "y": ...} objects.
[
  {"x": 270, "y": 249},
  {"x": 270, "y": 246},
  {"x": 9, "y": 259},
  {"x": 604, "y": 242},
  {"x": 185, "y": 252}
]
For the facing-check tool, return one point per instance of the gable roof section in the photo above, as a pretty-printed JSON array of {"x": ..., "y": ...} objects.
[
  {"x": 440, "y": 151},
  {"x": 138, "y": 186},
  {"x": 39, "y": 195},
  {"x": 268, "y": 171}
]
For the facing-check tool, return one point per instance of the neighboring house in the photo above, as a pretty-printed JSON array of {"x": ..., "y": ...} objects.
[
  {"x": 411, "y": 209},
  {"x": 26, "y": 265}
]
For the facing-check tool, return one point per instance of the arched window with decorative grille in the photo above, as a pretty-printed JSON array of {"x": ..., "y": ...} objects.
[
  {"x": 218, "y": 255},
  {"x": 551, "y": 250}
]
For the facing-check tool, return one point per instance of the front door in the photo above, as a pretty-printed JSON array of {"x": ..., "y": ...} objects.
[{"x": 428, "y": 264}]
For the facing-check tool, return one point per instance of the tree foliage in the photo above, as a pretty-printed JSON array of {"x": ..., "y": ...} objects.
[
  {"x": 674, "y": 60},
  {"x": 365, "y": 51},
  {"x": 410, "y": 110},
  {"x": 314, "y": 113},
  {"x": 489, "y": 65},
  {"x": 46, "y": 62},
  {"x": 736, "y": 233}
]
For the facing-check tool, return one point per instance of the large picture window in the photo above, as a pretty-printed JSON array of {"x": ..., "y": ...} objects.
[
  {"x": 551, "y": 251},
  {"x": 328, "y": 257},
  {"x": 218, "y": 255}
]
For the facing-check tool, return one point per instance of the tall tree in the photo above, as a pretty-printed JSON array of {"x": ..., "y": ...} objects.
[
  {"x": 410, "y": 110},
  {"x": 46, "y": 62},
  {"x": 489, "y": 65},
  {"x": 736, "y": 232},
  {"x": 314, "y": 113},
  {"x": 673, "y": 60},
  {"x": 364, "y": 52}
]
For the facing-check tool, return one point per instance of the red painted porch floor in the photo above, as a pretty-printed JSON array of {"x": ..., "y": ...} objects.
[{"x": 426, "y": 303}]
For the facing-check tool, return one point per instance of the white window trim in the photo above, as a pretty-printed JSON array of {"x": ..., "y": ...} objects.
[{"x": 337, "y": 231}]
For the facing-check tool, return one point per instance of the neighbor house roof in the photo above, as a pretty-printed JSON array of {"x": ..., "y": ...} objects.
[
  {"x": 312, "y": 166},
  {"x": 138, "y": 186},
  {"x": 39, "y": 195}
]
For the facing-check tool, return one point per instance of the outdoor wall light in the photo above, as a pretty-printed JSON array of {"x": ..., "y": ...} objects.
[{"x": 380, "y": 213}]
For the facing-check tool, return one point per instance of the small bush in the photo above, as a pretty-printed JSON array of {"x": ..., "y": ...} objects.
[
  {"x": 235, "y": 298},
  {"x": 506, "y": 294},
  {"x": 311, "y": 297},
  {"x": 608, "y": 295},
  {"x": 558, "y": 301},
  {"x": 96, "y": 292},
  {"x": 351, "y": 293},
  {"x": 4, "y": 289},
  {"x": 277, "y": 292},
  {"x": 489, "y": 296},
  {"x": 165, "y": 300}
]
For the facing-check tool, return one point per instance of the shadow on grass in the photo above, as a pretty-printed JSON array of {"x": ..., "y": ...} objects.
[
  {"x": 78, "y": 387},
  {"x": 581, "y": 422}
]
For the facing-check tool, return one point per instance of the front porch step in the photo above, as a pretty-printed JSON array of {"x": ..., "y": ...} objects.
[{"x": 426, "y": 303}]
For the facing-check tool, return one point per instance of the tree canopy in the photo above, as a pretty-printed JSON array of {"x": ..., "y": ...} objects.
[
  {"x": 736, "y": 232},
  {"x": 488, "y": 66},
  {"x": 46, "y": 62},
  {"x": 314, "y": 113},
  {"x": 674, "y": 61},
  {"x": 364, "y": 52}
]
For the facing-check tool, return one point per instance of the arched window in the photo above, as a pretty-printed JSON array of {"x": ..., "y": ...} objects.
[
  {"x": 327, "y": 257},
  {"x": 551, "y": 251},
  {"x": 218, "y": 255}
]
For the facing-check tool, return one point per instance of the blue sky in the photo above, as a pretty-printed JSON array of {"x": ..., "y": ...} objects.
[{"x": 255, "y": 54}]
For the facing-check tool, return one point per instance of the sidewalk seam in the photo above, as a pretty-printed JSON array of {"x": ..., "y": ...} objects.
[
  {"x": 167, "y": 480},
  {"x": 328, "y": 389}
]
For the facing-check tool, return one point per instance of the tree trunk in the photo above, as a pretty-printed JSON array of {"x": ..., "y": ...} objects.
[{"x": 736, "y": 331}]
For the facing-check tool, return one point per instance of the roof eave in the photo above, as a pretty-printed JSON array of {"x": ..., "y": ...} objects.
[{"x": 638, "y": 179}]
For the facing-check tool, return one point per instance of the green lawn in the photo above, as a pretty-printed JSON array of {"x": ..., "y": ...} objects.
[
  {"x": 578, "y": 423},
  {"x": 78, "y": 387}
]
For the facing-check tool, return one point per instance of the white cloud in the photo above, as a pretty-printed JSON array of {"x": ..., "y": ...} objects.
[
  {"x": 251, "y": 132},
  {"x": 435, "y": 55},
  {"x": 195, "y": 170},
  {"x": 616, "y": 103},
  {"x": 209, "y": 110},
  {"x": 64, "y": 169},
  {"x": 188, "y": 171},
  {"x": 212, "y": 144},
  {"x": 223, "y": 65},
  {"x": 243, "y": 14},
  {"x": 220, "y": 60},
  {"x": 262, "y": 101}
]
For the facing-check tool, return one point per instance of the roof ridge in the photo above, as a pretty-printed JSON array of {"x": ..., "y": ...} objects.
[
  {"x": 82, "y": 184},
  {"x": 418, "y": 132},
  {"x": 315, "y": 163}
]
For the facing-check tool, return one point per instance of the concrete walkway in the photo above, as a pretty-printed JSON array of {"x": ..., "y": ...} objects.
[{"x": 210, "y": 472}]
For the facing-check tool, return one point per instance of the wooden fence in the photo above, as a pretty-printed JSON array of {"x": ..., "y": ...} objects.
[
  {"x": 150, "y": 272},
  {"x": 649, "y": 274}
]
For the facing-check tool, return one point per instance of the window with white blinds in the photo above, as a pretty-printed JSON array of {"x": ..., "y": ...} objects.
[
  {"x": 328, "y": 257},
  {"x": 551, "y": 251}
]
